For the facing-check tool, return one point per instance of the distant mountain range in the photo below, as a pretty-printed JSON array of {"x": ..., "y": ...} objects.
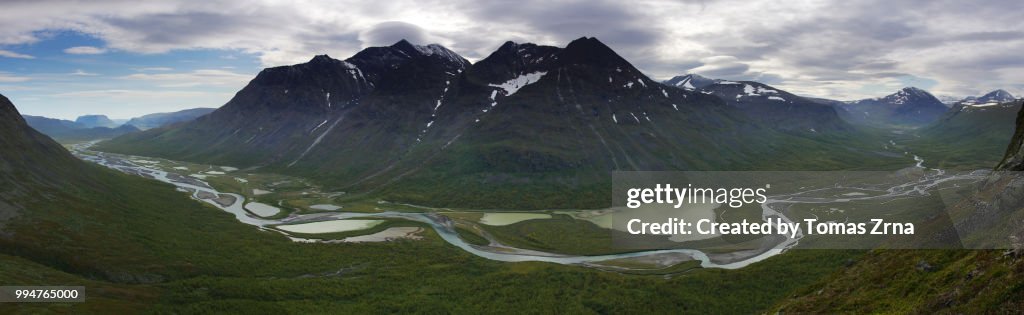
[
  {"x": 91, "y": 121},
  {"x": 92, "y": 127},
  {"x": 909, "y": 106},
  {"x": 162, "y": 119},
  {"x": 79, "y": 130},
  {"x": 421, "y": 124},
  {"x": 991, "y": 98},
  {"x": 766, "y": 104}
]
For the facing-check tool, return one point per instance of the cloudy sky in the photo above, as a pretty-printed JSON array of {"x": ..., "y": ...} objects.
[{"x": 64, "y": 59}]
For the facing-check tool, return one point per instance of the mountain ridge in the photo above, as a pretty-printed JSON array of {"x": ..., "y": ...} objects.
[{"x": 400, "y": 124}]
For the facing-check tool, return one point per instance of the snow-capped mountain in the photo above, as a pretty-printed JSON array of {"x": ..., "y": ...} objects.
[
  {"x": 420, "y": 124},
  {"x": 691, "y": 81},
  {"x": 908, "y": 106},
  {"x": 766, "y": 104},
  {"x": 997, "y": 96}
]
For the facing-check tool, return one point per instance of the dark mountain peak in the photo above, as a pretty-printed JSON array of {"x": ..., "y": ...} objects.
[
  {"x": 908, "y": 106},
  {"x": 321, "y": 58},
  {"x": 587, "y": 42},
  {"x": 512, "y": 60},
  {"x": 404, "y": 45},
  {"x": 589, "y": 50},
  {"x": 508, "y": 46},
  {"x": 411, "y": 50},
  {"x": 910, "y": 90},
  {"x": 9, "y": 114},
  {"x": 910, "y": 95}
]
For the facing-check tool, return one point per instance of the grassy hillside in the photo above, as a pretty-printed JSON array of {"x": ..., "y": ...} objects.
[
  {"x": 921, "y": 281},
  {"x": 967, "y": 139}
]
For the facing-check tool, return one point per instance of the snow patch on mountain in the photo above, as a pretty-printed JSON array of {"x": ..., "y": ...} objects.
[
  {"x": 435, "y": 49},
  {"x": 513, "y": 86}
]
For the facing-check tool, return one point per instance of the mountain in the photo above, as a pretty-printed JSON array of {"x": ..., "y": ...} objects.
[
  {"x": 691, "y": 81},
  {"x": 948, "y": 99},
  {"x": 991, "y": 98},
  {"x": 160, "y": 119},
  {"x": 66, "y": 130},
  {"x": 1013, "y": 158},
  {"x": 969, "y": 135},
  {"x": 777, "y": 108},
  {"x": 92, "y": 127},
  {"x": 420, "y": 124},
  {"x": 140, "y": 246},
  {"x": 985, "y": 280},
  {"x": 909, "y": 106},
  {"x": 28, "y": 157},
  {"x": 48, "y": 125},
  {"x": 90, "y": 121}
]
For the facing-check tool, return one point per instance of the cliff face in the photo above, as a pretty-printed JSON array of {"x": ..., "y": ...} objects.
[{"x": 1013, "y": 160}]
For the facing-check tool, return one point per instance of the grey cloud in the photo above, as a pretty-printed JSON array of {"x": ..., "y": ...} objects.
[
  {"x": 827, "y": 46},
  {"x": 388, "y": 33},
  {"x": 612, "y": 22}
]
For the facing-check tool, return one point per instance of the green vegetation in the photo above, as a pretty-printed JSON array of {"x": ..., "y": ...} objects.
[
  {"x": 471, "y": 237},
  {"x": 918, "y": 281},
  {"x": 973, "y": 139},
  {"x": 141, "y": 246},
  {"x": 560, "y": 234}
]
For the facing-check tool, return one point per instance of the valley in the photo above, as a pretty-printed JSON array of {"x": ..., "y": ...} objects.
[
  {"x": 301, "y": 211},
  {"x": 512, "y": 157}
]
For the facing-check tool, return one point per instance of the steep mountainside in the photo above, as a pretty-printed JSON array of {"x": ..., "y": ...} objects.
[
  {"x": 161, "y": 119},
  {"x": 140, "y": 246},
  {"x": 420, "y": 124},
  {"x": 28, "y": 160},
  {"x": 909, "y": 106},
  {"x": 51, "y": 126},
  {"x": 941, "y": 281},
  {"x": 972, "y": 136},
  {"x": 1013, "y": 159}
]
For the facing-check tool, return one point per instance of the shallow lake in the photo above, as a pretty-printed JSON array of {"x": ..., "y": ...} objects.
[
  {"x": 506, "y": 218},
  {"x": 333, "y": 226},
  {"x": 262, "y": 209}
]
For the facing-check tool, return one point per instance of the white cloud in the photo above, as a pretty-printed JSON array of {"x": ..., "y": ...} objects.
[
  {"x": 85, "y": 50},
  {"x": 155, "y": 69},
  {"x": 11, "y": 54},
  {"x": 79, "y": 72},
  {"x": 133, "y": 94},
  {"x": 201, "y": 77},
  {"x": 6, "y": 77}
]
